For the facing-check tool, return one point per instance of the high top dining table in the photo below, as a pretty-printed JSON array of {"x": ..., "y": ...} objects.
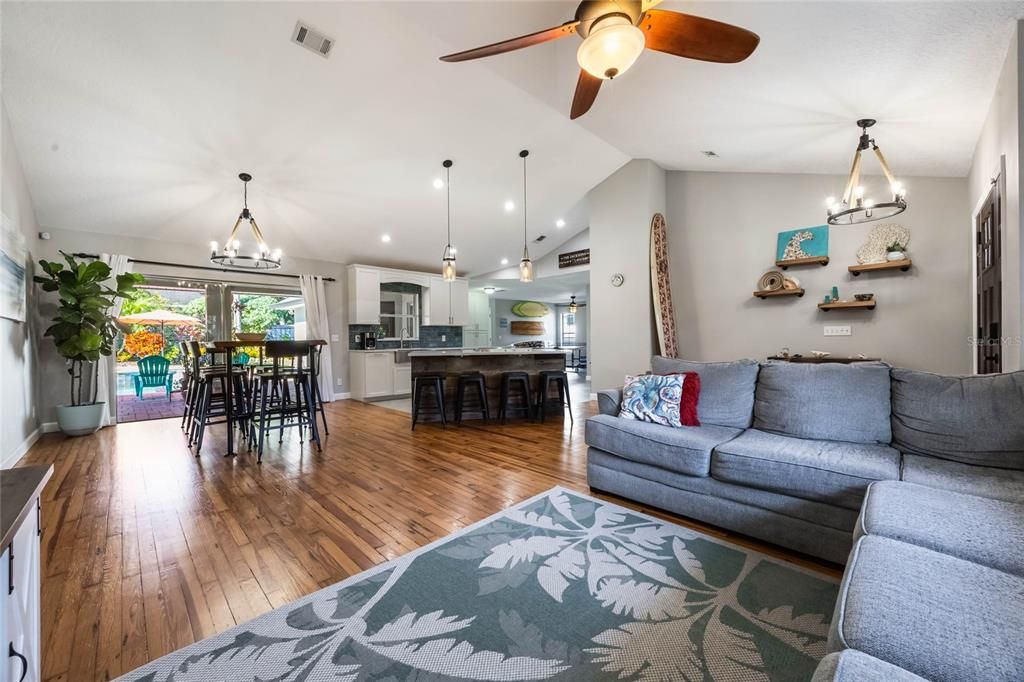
[{"x": 228, "y": 348}]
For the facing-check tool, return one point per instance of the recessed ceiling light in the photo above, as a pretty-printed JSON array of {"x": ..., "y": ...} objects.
[
  {"x": 510, "y": 206},
  {"x": 559, "y": 223},
  {"x": 438, "y": 183},
  {"x": 385, "y": 238},
  {"x": 504, "y": 261}
]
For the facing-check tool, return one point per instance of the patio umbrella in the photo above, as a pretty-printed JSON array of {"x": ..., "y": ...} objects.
[{"x": 160, "y": 317}]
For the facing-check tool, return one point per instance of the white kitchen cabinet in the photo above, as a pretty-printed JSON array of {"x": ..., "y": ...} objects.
[
  {"x": 20, "y": 575},
  {"x": 363, "y": 295},
  {"x": 447, "y": 303},
  {"x": 403, "y": 378}
]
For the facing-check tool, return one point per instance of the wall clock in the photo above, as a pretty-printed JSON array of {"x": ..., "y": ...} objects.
[{"x": 618, "y": 279}]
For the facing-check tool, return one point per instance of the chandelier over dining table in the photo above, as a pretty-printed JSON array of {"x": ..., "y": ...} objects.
[{"x": 231, "y": 255}]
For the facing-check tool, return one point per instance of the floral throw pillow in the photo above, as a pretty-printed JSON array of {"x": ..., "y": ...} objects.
[{"x": 653, "y": 398}]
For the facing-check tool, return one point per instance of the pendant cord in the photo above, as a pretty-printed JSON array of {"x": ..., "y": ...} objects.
[
  {"x": 448, "y": 186},
  {"x": 525, "y": 252}
]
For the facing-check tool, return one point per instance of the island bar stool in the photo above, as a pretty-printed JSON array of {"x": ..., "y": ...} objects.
[
  {"x": 561, "y": 381},
  {"x": 423, "y": 384},
  {"x": 475, "y": 381},
  {"x": 510, "y": 381}
]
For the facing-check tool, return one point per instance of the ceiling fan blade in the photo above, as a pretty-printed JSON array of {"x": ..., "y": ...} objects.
[
  {"x": 685, "y": 35},
  {"x": 549, "y": 34},
  {"x": 586, "y": 92}
]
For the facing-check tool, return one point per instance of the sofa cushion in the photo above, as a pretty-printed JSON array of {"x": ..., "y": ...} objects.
[
  {"x": 609, "y": 400},
  {"x": 827, "y": 471},
  {"x": 974, "y": 419},
  {"x": 999, "y": 484},
  {"x": 830, "y": 401},
  {"x": 726, "y": 388},
  {"x": 855, "y": 666},
  {"x": 686, "y": 449},
  {"x": 938, "y": 616},
  {"x": 985, "y": 531}
]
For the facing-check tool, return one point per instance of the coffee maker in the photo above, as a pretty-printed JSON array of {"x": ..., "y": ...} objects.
[{"x": 369, "y": 340}]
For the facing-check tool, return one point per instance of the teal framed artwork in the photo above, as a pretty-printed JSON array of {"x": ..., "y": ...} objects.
[{"x": 807, "y": 242}]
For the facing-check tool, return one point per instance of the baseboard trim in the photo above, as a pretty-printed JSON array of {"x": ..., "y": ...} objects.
[
  {"x": 49, "y": 427},
  {"x": 343, "y": 396},
  {"x": 12, "y": 459}
]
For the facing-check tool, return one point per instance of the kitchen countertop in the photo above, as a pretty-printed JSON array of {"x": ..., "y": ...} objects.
[
  {"x": 473, "y": 352},
  {"x": 18, "y": 487}
]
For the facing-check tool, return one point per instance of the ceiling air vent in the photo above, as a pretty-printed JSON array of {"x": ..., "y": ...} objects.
[
  {"x": 312, "y": 40},
  {"x": 539, "y": 239}
]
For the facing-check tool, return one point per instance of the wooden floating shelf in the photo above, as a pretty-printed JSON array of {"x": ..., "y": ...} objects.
[
  {"x": 851, "y": 305},
  {"x": 902, "y": 265},
  {"x": 778, "y": 292},
  {"x": 816, "y": 260}
]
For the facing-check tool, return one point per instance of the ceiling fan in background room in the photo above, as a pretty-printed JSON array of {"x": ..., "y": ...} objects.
[{"x": 614, "y": 34}]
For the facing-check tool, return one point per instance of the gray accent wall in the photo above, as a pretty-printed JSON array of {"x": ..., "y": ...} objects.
[
  {"x": 722, "y": 231},
  {"x": 621, "y": 318},
  {"x": 19, "y": 355}
]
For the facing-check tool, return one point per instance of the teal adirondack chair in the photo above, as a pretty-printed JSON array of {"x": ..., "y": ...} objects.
[{"x": 153, "y": 373}]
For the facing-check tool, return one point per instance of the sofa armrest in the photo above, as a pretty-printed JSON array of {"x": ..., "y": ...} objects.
[{"x": 608, "y": 401}]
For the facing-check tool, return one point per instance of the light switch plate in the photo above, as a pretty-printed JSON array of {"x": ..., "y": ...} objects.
[
  {"x": 838, "y": 330},
  {"x": 335, "y": 338}
]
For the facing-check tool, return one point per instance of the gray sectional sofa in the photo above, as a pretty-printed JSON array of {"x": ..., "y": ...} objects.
[{"x": 914, "y": 480}]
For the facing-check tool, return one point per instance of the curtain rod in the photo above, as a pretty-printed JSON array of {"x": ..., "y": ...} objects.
[{"x": 199, "y": 267}]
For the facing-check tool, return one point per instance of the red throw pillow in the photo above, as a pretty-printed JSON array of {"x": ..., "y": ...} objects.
[{"x": 690, "y": 398}]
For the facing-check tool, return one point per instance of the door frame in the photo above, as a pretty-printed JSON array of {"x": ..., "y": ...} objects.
[{"x": 999, "y": 180}]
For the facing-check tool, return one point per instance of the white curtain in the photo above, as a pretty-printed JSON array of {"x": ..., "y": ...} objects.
[
  {"x": 315, "y": 298},
  {"x": 106, "y": 377}
]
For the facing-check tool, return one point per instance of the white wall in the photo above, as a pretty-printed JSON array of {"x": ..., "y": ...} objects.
[
  {"x": 503, "y": 337},
  {"x": 998, "y": 154},
  {"x": 621, "y": 318},
  {"x": 18, "y": 356},
  {"x": 546, "y": 265},
  {"x": 54, "y": 380},
  {"x": 722, "y": 230}
]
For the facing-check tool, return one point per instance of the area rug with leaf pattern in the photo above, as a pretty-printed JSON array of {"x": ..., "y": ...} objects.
[{"x": 559, "y": 587}]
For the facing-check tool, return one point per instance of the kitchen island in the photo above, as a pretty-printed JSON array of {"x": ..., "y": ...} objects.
[{"x": 491, "y": 362}]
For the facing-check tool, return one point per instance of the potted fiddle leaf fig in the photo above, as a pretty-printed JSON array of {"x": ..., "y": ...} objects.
[{"x": 83, "y": 331}]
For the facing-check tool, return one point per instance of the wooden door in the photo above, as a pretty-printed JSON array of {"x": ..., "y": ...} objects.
[{"x": 989, "y": 242}]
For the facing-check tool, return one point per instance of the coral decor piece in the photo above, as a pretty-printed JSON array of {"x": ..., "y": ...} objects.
[
  {"x": 661, "y": 290},
  {"x": 875, "y": 249}
]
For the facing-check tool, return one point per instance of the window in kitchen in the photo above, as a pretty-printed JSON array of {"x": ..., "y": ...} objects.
[
  {"x": 568, "y": 329},
  {"x": 399, "y": 311}
]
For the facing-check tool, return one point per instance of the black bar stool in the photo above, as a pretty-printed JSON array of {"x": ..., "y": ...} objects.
[
  {"x": 473, "y": 380},
  {"x": 275, "y": 401},
  {"x": 510, "y": 381},
  {"x": 561, "y": 381},
  {"x": 426, "y": 382}
]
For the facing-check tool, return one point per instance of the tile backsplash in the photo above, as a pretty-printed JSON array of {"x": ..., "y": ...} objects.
[{"x": 430, "y": 337}]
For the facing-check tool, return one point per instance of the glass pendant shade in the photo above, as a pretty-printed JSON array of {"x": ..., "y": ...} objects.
[
  {"x": 572, "y": 305},
  {"x": 448, "y": 265},
  {"x": 526, "y": 269},
  {"x": 612, "y": 46}
]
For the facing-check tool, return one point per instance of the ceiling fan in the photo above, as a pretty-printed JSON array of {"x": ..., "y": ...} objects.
[{"x": 614, "y": 34}]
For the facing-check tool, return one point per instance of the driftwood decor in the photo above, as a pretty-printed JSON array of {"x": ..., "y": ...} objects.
[{"x": 520, "y": 328}]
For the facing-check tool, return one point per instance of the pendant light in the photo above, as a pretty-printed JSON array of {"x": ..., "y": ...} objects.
[
  {"x": 448, "y": 259},
  {"x": 855, "y": 208},
  {"x": 525, "y": 265},
  {"x": 572, "y": 305},
  {"x": 262, "y": 258}
]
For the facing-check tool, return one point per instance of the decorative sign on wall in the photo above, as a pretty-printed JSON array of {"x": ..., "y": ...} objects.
[
  {"x": 520, "y": 328},
  {"x": 530, "y": 309},
  {"x": 798, "y": 245},
  {"x": 571, "y": 259},
  {"x": 503, "y": 323}
]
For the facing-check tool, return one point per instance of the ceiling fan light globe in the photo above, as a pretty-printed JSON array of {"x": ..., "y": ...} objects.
[{"x": 613, "y": 45}]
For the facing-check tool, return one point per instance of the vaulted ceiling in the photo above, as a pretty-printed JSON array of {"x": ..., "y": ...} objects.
[{"x": 135, "y": 118}]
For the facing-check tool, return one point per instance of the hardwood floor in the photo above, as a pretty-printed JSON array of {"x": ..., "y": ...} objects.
[{"x": 147, "y": 548}]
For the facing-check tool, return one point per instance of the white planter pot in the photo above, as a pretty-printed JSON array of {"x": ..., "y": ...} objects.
[
  {"x": 80, "y": 420},
  {"x": 896, "y": 255}
]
